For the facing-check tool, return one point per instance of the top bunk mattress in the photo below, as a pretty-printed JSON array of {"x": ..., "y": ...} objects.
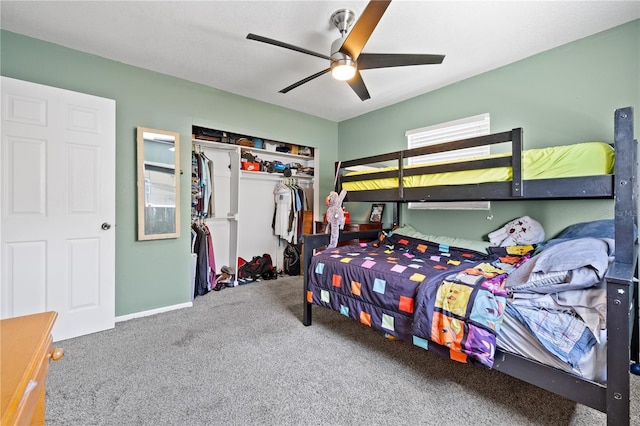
[{"x": 577, "y": 160}]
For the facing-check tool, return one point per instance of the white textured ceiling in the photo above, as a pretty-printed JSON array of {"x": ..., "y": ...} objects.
[{"x": 205, "y": 41}]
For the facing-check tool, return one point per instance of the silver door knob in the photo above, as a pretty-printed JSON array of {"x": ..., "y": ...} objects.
[{"x": 106, "y": 226}]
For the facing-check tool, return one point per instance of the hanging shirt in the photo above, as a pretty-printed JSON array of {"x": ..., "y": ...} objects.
[
  {"x": 283, "y": 209},
  {"x": 205, "y": 183},
  {"x": 211, "y": 264}
]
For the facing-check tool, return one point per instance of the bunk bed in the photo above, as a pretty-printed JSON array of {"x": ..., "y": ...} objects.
[{"x": 610, "y": 395}]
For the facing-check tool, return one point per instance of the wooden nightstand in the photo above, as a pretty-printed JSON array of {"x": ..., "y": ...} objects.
[{"x": 350, "y": 227}]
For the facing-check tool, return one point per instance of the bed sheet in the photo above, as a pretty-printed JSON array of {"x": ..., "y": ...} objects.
[
  {"x": 514, "y": 337},
  {"x": 583, "y": 159}
]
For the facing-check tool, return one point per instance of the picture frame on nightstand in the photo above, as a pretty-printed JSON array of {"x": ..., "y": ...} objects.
[{"x": 377, "y": 211}]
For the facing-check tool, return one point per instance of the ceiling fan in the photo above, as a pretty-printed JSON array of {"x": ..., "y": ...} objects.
[{"x": 346, "y": 58}]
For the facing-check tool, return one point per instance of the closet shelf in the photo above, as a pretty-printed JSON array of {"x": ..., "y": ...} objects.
[
  {"x": 222, "y": 218},
  {"x": 273, "y": 176},
  {"x": 257, "y": 151},
  {"x": 216, "y": 145}
]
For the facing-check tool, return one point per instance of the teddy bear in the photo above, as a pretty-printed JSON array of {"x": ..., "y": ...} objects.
[{"x": 335, "y": 216}]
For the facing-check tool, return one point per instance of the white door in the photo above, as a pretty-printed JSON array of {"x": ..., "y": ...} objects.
[{"x": 57, "y": 230}]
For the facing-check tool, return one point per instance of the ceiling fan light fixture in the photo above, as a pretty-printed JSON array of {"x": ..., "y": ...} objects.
[
  {"x": 346, "y": 51},
  {"x": 343, "y": 69}
]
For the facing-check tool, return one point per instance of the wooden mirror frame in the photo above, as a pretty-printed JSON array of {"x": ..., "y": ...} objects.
[{"x": 154, "y": 162}]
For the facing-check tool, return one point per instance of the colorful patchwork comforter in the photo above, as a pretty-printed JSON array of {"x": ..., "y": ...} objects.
[
  {"x": 463, "y": 311},
  {"x": 445, "y": 299}
]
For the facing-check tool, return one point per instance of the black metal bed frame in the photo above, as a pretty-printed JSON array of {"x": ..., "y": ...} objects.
[{"x": 623, "y": 346}]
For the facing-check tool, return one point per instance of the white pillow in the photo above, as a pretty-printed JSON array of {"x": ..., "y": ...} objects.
[{"x": 475, "y": 245}]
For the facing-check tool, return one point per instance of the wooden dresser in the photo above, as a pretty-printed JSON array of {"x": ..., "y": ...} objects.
[
  {"x": 26, "y": 346},
  {"x": 350, "y": 227}
]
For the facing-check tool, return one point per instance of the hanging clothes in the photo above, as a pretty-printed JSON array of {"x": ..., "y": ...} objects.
[
  {"x": 205, "y": 183},
  {"x": 201, "y": 185},
  {"x": 196, "y": 190},
  {"x": 300, "y": 218},
  {"x": 202, "y": 246},
  {"x": 283, "y": 199},
  {"x": 211, "y": 261},
  {"x": 202, "y": 264},
  {"x": 289, "y": 203},
  {"x": 202, "y": 206}
]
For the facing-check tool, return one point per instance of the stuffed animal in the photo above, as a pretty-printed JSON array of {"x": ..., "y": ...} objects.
[
  {"x": 520, "y": 231},
  {"x": 335, "y": 216}
]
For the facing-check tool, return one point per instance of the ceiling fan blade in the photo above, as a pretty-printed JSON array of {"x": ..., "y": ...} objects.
[
  {"x": 304, "y": 80},
  {"x": 362, "y": 29},
  {"x": 286, "y": 45},
  {"x": 357, "y": 84},
  {"x": 368, "y": 61}
]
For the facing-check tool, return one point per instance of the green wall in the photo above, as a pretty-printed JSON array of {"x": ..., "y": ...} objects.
[
  {"x": 155, "y": 274},
  {"x": 561, "y": 96}
]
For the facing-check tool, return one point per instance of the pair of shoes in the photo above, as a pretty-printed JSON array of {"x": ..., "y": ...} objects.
[{"x": 223, "y": 280}]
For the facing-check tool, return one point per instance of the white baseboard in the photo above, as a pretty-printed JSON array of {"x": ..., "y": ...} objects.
[{"x": 153, "y": 311}]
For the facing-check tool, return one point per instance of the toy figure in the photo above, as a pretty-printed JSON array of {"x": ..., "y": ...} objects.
[
  {"x": 521, "y": 231},
  {"x": 335, "y": 215}
]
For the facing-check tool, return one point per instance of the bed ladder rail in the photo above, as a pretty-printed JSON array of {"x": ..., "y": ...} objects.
[
  {"x": 621, "y": 309},
  {"x": 626, "y": 206}
]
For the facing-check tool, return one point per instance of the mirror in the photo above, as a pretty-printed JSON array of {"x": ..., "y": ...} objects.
[{"x": 158, "y": 184}]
